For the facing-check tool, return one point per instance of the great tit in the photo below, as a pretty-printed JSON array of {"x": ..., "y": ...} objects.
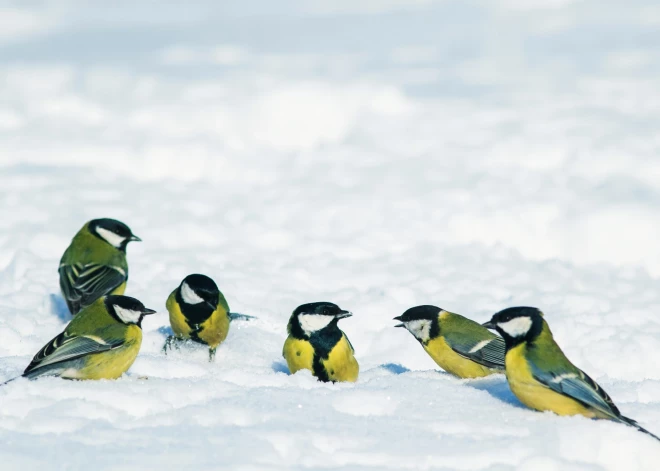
[
  {"x": 541, "y": 376},
  {"x": 101, "y": 342},
  {"x": 95, "y": 264},
  {"x": 198, "y": 311},
  {"x": 458, "y": 345},
  {"x": 316, "y": 343}
]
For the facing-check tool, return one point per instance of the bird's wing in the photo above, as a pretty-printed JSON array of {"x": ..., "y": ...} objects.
[
  {"x": 82, "y": 284},
  {"x": 64, "y": 347},
  {"x": 349, "y": 343},
  {"x": 488, "y": 352},
  {"x": 577, "y": 385}
]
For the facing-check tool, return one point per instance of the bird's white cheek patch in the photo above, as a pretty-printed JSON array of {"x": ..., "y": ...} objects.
[
  {"x": 312, "y": 322},
  {"x": 128, "y": 316},
  {"x": 420, "y": 328},
  {"x": 189, "y": 296},
  {"x": 110, "y": 237},
  {"x": 516, "y": 327}
]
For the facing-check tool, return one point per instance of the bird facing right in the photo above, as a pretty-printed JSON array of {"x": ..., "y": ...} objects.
[
  {"x": 316, "y": 343},
  {"x": 94, "y": 264},
  {"x": 101, "y": 342},
  {"x": 541, "y": 376}
]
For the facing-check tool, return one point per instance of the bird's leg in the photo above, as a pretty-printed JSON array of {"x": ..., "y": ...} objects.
[
  {"x": 170, "y": 342},
  {"x": 212, "y": 354}
]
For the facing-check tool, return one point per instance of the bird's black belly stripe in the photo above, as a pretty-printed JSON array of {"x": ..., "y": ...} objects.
[{"x": 323, "y": 343}]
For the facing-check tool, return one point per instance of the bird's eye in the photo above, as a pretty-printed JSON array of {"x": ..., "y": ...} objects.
[{"x": 325, "y": 311}]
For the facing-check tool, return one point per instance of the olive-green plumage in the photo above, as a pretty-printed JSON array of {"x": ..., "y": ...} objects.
[
  {"x": 101, "y": 342},
  {"x": 542, "y": 377},
  {"x": 458, "y": 345},
  {"x": 94, "y": 264},
  {"x": 198, "y": 311}
]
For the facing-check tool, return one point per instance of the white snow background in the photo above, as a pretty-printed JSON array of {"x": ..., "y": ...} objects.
[{"x": 475, "y": 155}]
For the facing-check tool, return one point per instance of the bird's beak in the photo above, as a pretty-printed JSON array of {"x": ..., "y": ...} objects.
[
  {"x": 134, "y": 238},
  {"x": 343, "y": 314},
  {"x": 148, "y": 311},
  {"x": 489, "y": 325},
  {"x": 399, "y": 318}
]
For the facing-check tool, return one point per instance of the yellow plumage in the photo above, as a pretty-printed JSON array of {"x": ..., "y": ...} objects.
[
  {"x": 120, "y": 289},
  {"x": 454, "y": 363},
  {"x": 101, "y": 342},
  {"x": 457, "y": 344},
  {"x": 536, "y": 395},
  {"x": 111, "y": 364},
  {"x": 341, "y": 364},
  {"x": 213, "y": 331},
  {"x": 299, "y": 354}
]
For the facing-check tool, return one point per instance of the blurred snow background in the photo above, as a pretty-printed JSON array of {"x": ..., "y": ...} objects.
[{"x": 378, "y": 154}]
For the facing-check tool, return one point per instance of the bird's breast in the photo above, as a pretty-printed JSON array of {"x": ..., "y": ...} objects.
[
  {"x": 341, "y": 364},
  {"x": 452, "y": 362},
  {"x": 532, "y": 392},
  {"x": 298, "y": 353}
]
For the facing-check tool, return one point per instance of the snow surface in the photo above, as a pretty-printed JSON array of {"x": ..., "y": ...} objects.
[{"x": 377, "y": 154}]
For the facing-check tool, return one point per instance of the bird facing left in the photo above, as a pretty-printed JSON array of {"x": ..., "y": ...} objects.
[{"x": 101, "y": 342}]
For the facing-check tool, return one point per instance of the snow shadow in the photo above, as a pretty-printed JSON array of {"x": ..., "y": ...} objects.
[
  {"x": 280, "y": 367},
  {"x": 166, "y": 331},
  {"x": 59, "y": 308},
  {"x": 498, "y": 388},
  {"x": 394, "y": 368}
]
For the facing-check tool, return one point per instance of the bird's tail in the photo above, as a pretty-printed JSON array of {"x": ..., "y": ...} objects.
[
  {"x": 235, "y": 316},
  {"x": 9, "y": 380},
  {"x": 633, "y": 423}
]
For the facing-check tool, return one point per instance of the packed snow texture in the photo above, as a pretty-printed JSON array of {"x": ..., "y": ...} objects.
[{"x": 377, "y": 154}]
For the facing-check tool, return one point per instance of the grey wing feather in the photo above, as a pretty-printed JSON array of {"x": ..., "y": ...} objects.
[
  {"x": 84, "y": 284},
  {"x": 62, "y": 349},
  {"x": 579, "y": 386},
  {"x": 489, "y": 352}
]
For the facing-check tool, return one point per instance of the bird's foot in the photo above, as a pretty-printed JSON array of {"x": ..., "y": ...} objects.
[{"x": 171, "y": 342}]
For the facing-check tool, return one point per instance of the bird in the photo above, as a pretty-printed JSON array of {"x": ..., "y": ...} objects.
[
  {"x": 542, "y": 377},
  {"x": 94, "y": 264},
  {"x": 316, "y": 343},
  {"x": 457, "y": 344},
  {"x": 199, "y": 312},
  {"x": 101, "y": 342}
]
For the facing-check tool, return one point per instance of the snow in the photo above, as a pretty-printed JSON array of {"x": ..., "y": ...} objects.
[{"x": 379, "y": 155}]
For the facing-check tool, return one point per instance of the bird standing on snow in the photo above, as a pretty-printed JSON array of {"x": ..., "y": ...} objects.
[
  {"x": 316, "y": 343},
  {"x": 198, "y": 311},
  {"x": 94, "y": 265},
  {"x": 101, "y": 342},
  {"x": 541, "y": 376},
  {"x": 458, "y": 345}
]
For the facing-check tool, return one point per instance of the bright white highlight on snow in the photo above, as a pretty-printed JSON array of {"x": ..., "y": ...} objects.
[
  {"x": 188, "y": 295},
  {"x": 310, "y": 323},
  {"x": 516, "y": 327},
  {"x": 110, "y": 237}
]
